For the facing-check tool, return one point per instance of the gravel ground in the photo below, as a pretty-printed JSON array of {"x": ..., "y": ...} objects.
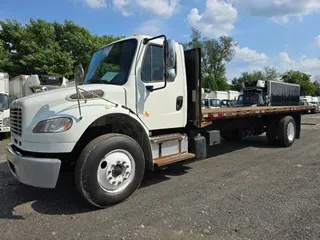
[{"x": 247, "y": 190}]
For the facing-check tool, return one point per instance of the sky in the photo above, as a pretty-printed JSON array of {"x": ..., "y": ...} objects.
[{"x": 284, "y": 34}]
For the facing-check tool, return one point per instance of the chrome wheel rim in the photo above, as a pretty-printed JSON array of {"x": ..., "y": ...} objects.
[
  {"x": 290, "y": 131},
  {"x": 116, "y": 171}
]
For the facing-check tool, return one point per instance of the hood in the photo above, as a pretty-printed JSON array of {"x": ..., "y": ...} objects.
[{"x": 57, "y": 102}]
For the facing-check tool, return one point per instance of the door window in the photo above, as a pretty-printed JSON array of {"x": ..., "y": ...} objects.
[{"x": 152, "y": 67}]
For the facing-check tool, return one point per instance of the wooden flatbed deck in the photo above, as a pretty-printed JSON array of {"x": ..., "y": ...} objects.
[{"x": 219, "y": 113}]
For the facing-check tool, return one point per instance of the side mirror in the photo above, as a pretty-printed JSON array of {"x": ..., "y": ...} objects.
[
  {"x": 79, "y": 74},
  {"x": 169, "y": 53}
]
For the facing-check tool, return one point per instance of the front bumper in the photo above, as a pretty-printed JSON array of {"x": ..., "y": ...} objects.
[{"x": 36, "y": 172}]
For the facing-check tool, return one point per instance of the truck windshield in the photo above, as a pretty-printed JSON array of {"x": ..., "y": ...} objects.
[
  {"x": 251, "y": 98},
  {"x": 111, "y": 64},
  {"x": 214, "y": 102},
  {"x": 4, "y": 101}
]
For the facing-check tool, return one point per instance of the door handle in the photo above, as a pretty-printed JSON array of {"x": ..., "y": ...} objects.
[{"x": 179, "y": 103}]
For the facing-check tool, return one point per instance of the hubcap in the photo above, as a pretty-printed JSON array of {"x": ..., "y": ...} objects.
[
  {"x": 290, "y": 131},
  {"x": 116, "y": 171}
]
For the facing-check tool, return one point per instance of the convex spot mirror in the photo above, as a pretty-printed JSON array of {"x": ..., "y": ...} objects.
[{"x": 79, "y": 74}]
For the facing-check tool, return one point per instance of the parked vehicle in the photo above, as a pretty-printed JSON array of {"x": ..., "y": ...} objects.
[
  {"x": 4, "y": 105},
  {"x": 270, "y": 93},
  {"x": 25, "y": 85},
  {"x": 127, "y": 117},
  {"x": 233, "y": 95}
]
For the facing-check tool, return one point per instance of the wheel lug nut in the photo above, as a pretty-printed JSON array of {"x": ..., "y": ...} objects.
[
  {"x": 109, "y": 178},
  {"x": 114, "y": 182}
]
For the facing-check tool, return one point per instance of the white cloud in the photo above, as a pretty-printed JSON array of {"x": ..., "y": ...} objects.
[
  {"x": 253, "y": 61},
  {"x": 151, "y": 28},
  {"x": 278, "y": 10},
  {"x": 96, "y": 3},
  {"x": 317, "y": 41},
  {"x": 163, "y": 8},
  {"x": 246, "y": 60},
  {"x": 248, "y": 55},
  {"x": 305, "y": 63},
  {"x": 121, "y": 6},
  {"x": 217, "y": 19}
]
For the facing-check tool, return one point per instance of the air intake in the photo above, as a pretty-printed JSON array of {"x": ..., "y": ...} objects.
[{"x": 93, "y": 94}]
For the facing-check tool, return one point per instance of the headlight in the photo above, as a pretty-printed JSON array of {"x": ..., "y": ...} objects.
[
  {"x": 54, "y": 125},
  {"x": 6, "y": 122}
]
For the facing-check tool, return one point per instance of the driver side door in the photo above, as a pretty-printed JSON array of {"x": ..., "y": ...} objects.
[{"x": 164, "y": 108}]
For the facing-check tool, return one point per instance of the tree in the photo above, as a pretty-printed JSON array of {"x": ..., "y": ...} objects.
[
  {"x": 209, "y": 82},
  {"x": 307, "y": 88},
  {"x": 41, "y": 47},
  {"x": 267, "y": 74},
  {"x": 215, "y": 54},
  {"x": 246, "y": 77},
  {"x": 270, "y": 73},
  {"x": 4, "y": 57}
]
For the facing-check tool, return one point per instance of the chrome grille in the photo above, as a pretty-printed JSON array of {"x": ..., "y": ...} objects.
[{"x": 16, "y": 120}]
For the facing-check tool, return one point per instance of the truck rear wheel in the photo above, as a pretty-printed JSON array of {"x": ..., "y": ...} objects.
[
  {"x": 109, "y": 169},
  {"x": 286, "y": 131}
]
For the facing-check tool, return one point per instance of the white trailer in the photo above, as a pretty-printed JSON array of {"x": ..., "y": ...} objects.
[
  {"x": 25, "y": 85},
  {"x": 221, "y": 95},
  {"x": 4, "y": 104},
  {"x": 233, "y": 95}
]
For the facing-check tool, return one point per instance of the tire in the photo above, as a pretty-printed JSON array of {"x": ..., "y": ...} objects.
[
  {"x": 286, "y": 131},
  {"x": 102, "y": 171}
]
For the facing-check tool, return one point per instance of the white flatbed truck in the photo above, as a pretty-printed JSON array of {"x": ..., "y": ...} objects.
[{"x": 138, "y": 107}]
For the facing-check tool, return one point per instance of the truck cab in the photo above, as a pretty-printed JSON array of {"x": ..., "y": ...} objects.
[{"x": 254, "y": 93}]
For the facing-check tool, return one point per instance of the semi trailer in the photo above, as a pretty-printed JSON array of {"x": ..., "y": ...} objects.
[{"x": 138, "y": 107}]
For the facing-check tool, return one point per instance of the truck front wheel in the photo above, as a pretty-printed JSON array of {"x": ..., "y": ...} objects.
[
  {"x": 109, "y": 169},
  {"x": 286, "y": 131}
]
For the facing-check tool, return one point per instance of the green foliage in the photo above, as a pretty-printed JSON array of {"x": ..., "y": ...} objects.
[
  {"x": 304, "y": 80},
  {"x": 41, "y": 47},
  {"x": 267, "y": 74},
  {"x": 216, "y": 53}
]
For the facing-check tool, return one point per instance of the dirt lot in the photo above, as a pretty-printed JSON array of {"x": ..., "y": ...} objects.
[{"x": 247, "y": 190}]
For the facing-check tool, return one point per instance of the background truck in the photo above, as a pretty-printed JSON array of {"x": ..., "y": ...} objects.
[
  {"x": 25, "y": 85},
  {"x": 137, "y": 108},
  {"x": 4, "y": 105},
  {"x": 233, "y": 95},
  {"x": 270, "y": 93}
]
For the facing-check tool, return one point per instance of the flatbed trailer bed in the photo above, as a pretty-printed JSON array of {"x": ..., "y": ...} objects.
[
  {"x": 236, "y": 123},
  {"x": 219, "y": 113}
]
